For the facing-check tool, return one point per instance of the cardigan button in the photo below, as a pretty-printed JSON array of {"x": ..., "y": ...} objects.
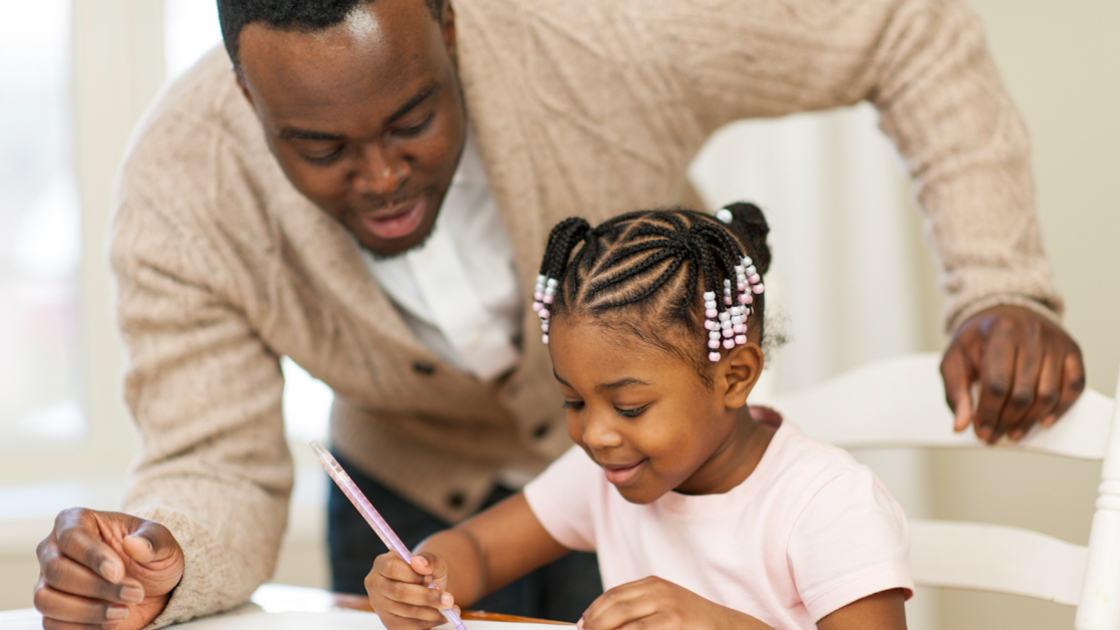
[
  {"x": 423, "y": 367},
  {"x": 542, "y": 430},
  {"x": 456, "y": 499}
]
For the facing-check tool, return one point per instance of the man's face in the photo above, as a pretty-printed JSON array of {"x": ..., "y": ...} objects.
[{"x": 366, "y": 117}]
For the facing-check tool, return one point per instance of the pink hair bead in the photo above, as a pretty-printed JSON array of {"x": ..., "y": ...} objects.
[
  {"x": 740, "y": 328},
  {"x": 729, "y": 343},
  {"x": 727, "y": 332},
  {"x": 711, "y": 312},
  {"x": 740, "y": 339},
  {"x": 544, "y": 327},
  {"x": 710, "y": 324},
  {"x": 547, "y": 298},
  {"x": 745, "y": 298},
  {"x": 544, "y": 338},
  {"x": 544, "y": 313},
  {"x": 538, "y": 296},
  {"x": 758, "y": 288},
  {"x": 713, "y": 344},
  {"x": 713, "y": 356},
  {"x": 755, "y": 278},
  {"x": 537, "y": 306}
]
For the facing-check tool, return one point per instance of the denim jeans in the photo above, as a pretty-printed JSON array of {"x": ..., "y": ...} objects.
[{"x": 560, "y": 591}]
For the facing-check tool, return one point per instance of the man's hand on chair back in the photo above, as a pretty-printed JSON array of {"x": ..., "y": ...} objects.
[{"x": 1028, "y": 368}]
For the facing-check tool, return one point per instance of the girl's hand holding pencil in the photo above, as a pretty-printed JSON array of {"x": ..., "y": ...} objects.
[
  {"x": 400, "y": 591},
  {"x": 445, "y": 600}
]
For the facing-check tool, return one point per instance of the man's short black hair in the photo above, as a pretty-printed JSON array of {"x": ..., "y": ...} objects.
[{"x": 294, "y": 15}]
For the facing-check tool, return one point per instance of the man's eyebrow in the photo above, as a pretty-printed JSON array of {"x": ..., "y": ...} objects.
[
  {"x": 293, "y": 133},
  {"x": 416, "y": 99}
]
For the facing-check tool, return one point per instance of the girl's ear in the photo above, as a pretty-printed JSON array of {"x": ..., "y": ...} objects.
[{"x": 739, "y": 372}]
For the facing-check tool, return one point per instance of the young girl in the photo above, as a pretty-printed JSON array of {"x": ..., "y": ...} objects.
[{"x": 702, "y": 516}]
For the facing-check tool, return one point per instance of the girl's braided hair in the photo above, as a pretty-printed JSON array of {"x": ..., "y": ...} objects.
[{"x": 645, "y": 272}]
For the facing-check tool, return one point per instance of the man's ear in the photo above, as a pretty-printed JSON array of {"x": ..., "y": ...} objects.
[{"x": 739, "y": 371}]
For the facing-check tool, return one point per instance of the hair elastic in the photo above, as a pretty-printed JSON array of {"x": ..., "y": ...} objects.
[
  {"x": 727, "y": 327},
  {"x": 543, "y": 295}
]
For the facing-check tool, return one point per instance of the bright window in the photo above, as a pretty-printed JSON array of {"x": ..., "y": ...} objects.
[
  {"x": 190, "y": 28},
  {"x": 40, "y": 243}
]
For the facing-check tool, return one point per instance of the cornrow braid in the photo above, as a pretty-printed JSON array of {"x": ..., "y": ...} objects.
[
  {"x": 645, "y": 271},
  {"x": 561, "y": 241}
]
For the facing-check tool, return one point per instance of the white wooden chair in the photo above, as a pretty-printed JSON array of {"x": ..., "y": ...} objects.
[{"x": 901, "y": 403}]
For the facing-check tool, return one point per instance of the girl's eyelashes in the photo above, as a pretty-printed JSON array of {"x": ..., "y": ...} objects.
[
  {"x": 631, "y": 413},
  {"x": 577, "y": 405}
]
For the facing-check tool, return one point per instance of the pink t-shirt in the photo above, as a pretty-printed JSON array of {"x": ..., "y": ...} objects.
[{"x": 810, "y": 531}]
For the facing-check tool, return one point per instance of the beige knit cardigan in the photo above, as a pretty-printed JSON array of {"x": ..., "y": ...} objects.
[{"x": 578, "y": 107}]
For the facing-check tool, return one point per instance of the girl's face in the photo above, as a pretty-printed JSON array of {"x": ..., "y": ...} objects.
[{"x": 648, "y": 419}]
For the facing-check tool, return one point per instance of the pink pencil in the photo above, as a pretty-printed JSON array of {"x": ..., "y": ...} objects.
[{"x": 380, "y": 527}]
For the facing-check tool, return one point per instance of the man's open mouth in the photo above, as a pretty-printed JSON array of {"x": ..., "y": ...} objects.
[{"x": 396, "y": 223}]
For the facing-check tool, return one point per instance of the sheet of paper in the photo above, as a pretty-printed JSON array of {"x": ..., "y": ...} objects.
[
  {"x": 337, "y": 620},
  {"x": 257, "y": 620},
  {"x": 21, "y": 620}
]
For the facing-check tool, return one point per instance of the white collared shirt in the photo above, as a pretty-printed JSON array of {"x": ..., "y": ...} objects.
[{"x": 458, "y": 291}]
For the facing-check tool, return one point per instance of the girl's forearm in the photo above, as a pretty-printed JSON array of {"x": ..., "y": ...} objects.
[{"x": 743, "y": 621}]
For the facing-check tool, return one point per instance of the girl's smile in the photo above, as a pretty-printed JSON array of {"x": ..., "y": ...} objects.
[
  {"x": 621, "y": 475},
  {"x": 647, "y": 417}
]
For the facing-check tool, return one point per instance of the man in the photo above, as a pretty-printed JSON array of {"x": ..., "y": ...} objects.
[{"x": 326, "y": 201}]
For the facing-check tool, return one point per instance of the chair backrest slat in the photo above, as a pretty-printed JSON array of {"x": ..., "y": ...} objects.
[
  {"x": 996, "y": 558},
  {"x": 905, "y": 407}
]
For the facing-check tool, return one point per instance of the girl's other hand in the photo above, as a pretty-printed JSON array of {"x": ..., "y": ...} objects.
[
  {"x": 655, "y": 604},
  {"x": 399, "y": 591}
]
